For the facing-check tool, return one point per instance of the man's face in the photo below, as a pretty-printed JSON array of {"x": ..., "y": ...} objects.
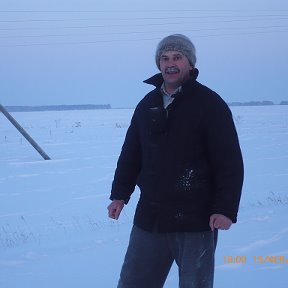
[{"x": 175, "y": 69}]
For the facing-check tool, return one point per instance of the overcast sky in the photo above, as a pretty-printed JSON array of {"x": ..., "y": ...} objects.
[{"x": 89, "y": 52}]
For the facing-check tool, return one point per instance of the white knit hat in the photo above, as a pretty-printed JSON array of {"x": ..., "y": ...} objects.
[{"x": 176, "y": 42}]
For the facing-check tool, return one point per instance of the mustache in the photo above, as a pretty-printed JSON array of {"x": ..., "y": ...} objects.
[{"x": 172, "y": 69}]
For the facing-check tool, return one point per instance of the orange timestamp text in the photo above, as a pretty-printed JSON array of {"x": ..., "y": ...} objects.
[{"x": 269, "y": 259}]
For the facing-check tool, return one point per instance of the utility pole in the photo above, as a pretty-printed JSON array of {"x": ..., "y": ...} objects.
[{"x": 24, "y": 133}]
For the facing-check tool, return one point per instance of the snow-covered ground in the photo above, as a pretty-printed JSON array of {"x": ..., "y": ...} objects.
[{"x": 54, "y": 229}]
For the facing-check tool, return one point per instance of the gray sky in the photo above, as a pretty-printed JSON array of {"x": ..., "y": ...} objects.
[{"x": 89, "y": 52}]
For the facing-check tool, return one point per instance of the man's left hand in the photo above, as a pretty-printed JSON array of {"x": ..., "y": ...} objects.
[{"x": 219, "y": 221}]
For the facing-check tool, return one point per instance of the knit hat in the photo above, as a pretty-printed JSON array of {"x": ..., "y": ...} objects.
[{"x": 176, "y": 42}]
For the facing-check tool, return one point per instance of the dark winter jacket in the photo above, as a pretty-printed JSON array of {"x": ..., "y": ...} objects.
[{"x": 185, "y": 159}]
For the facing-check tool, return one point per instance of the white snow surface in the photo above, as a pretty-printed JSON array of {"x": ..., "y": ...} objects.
[{"x": 54, "y": 229}]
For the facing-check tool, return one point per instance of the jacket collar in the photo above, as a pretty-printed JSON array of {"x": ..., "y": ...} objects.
[{"x": 157, "y": 79}]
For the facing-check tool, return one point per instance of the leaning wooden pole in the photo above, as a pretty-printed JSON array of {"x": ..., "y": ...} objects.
[{"x": 24, "y": 133}]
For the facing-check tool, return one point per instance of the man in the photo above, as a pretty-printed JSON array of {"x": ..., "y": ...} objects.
[{"x": 182, "y": 150}]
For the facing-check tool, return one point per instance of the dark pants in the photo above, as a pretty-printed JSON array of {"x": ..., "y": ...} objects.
[{"x": 150, "y": 256}]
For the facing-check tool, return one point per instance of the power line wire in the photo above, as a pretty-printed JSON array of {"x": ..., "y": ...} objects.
[
  {"x": 134, "y": 40},
  {"x": 137, "y": 25},
  {"x": 142, "y": 18},
  {"x": 142, "y": 10},
  {"x": 141, "y": 32}
]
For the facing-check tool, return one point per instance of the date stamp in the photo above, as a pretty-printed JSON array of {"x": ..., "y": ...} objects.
[{"x": 256, "y": 259}]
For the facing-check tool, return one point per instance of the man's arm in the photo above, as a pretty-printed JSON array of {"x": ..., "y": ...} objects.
[
  {"x": 127, "y": 170},
  {"x": 226, "y": 164}
]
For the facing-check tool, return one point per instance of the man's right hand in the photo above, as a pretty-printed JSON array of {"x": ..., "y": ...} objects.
[{"x": 115, "y": 208}]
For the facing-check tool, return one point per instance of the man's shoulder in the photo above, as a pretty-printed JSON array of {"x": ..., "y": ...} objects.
[{"x": 209, "y": 96}]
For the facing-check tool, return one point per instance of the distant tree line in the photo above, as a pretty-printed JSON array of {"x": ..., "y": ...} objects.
[
  {"x": 57, "y": 107},
  {"x": 257, "y": 103},
  {"x": 108, "y": 106}
]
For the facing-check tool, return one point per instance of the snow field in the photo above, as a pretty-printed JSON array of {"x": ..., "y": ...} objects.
[{"x": 54, "y": 229}]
